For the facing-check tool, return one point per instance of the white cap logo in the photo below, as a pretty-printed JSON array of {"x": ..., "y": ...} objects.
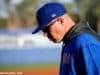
[{"x": 53, "y": 15}]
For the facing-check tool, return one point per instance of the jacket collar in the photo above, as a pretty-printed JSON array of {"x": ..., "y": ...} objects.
[{"x": 81, "y": 27}]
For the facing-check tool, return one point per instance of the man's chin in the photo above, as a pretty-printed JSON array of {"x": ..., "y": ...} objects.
[{"x": 56, "y": 41}]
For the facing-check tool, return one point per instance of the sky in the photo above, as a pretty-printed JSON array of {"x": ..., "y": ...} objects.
[{"x": 3, "y": 6}]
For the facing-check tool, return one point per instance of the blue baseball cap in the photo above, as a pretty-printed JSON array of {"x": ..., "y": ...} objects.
[{"x": 48, "y": 13}]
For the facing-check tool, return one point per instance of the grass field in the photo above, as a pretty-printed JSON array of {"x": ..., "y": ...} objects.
[{"x": 32, "y": 69}]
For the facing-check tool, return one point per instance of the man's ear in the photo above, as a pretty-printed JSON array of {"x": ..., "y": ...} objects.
[{"x": 61, "y": 20}]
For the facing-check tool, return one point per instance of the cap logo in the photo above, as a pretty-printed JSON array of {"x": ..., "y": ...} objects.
[{"x": 53, "y": 15}]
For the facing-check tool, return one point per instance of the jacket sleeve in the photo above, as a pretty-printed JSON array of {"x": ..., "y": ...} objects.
[{"x": 87, "y": 55}]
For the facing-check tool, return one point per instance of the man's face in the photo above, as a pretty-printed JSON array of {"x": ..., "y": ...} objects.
[{"x": 53, "y": 32}]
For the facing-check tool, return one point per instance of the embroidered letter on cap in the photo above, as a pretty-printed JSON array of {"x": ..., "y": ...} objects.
[{"x": 53, "y": 15}]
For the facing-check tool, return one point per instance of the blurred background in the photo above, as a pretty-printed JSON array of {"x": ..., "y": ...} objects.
[{"x": 20, "y": 51}]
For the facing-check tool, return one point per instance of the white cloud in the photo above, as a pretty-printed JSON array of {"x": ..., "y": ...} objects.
[
  {"x": 66, "y": 1},
  {"x": 16, "y": 2}
]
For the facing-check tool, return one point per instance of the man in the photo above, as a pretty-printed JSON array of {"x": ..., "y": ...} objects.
[{"x": 81, "y": 45}]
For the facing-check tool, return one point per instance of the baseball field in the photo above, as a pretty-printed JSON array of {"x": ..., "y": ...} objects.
[
  {"x": 29, "y": 62},
  {"x": 32, "y": 69}
]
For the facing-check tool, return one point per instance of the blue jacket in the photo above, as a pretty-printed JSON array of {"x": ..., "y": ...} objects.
[{"x": 81, "y": 52}]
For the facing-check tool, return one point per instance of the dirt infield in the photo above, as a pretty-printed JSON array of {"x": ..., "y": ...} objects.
[
  {"x": 49, "y": 71},
  {"x": 34, "y": 69}
]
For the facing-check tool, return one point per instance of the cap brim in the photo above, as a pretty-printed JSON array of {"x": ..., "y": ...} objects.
[{"x": 36, "y": 30}]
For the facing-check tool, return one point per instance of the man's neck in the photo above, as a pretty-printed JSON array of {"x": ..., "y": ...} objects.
[{"x": 69, "y": 25}]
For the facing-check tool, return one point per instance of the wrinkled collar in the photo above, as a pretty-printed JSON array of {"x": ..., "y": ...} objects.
[{"x": 81, "y": 27}]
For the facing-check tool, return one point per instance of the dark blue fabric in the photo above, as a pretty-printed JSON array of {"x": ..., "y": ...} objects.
[
  {"x": 47, "y": 13},
  {"x": 84, "y": 58}
]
